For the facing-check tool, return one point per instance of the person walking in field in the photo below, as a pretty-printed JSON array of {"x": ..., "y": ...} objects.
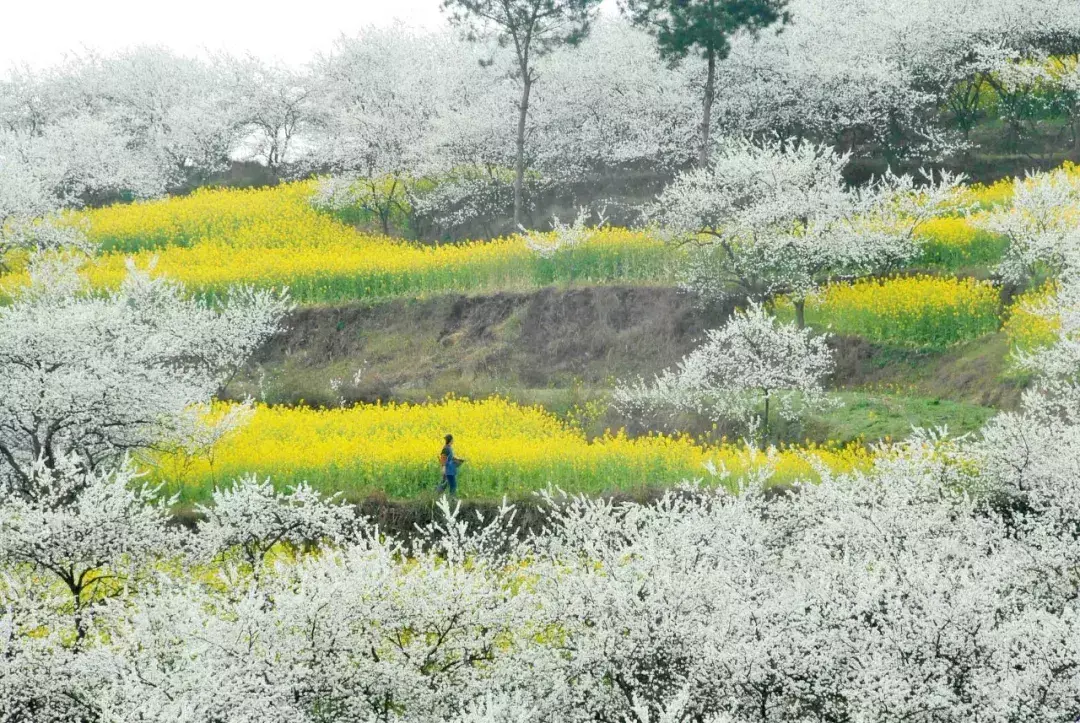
[{"x": 449, "y": 464}]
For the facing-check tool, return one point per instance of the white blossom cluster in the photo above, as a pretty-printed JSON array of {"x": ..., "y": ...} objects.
[
  {"x": 739, "y": 371},
  {"x": 940, "y": 586},
  {"x": 96, "y": 377},
  {"x": 563, "y": 235},
  {"x": 776, "y": 216},
  {"x": 1041, "y": 225}
]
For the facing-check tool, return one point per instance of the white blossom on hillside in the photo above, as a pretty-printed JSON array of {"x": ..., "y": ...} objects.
[
  {"x": 69, "y": 161},
  {"x": 98, "y": 376},
  {"x": 1040, "y": 224},
  {"x": 563, "y": 236},
  {"x": 249, "y": 518},
  {"x": 742, "y": 369},
  {"x": 777, "y": 216}
]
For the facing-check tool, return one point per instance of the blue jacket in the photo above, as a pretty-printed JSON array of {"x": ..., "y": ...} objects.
[{"x": 451, "y": 461}]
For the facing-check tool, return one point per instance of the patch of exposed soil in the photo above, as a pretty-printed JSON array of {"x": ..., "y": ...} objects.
[{"x": 558, "y": 338}]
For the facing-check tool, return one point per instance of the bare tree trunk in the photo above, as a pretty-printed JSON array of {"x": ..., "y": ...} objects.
[
  {"x": 765, "y": 422},
  {"x": 800, "y": 313},
  {"x": 706, "y": 119},
  {"x": 519, "y": 161}
]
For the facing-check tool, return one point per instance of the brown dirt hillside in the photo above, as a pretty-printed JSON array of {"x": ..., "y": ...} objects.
[{"x": 557, "y": 339}]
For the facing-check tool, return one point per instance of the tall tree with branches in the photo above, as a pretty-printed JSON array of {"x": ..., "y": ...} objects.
[
  {"x": 703, "y": 26},
  {"x": 533, "y": 28}
]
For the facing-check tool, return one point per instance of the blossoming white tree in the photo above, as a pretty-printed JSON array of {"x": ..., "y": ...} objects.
[
  {"x": 563, "y": 235},
  {"x": 740, "y": 371},
  {"x": 532, "y": 29},
  {"x": 1040, "y": 224},
  {"x": 777, "y": 216},
  {"x": 172, "y": 108},
  {"x": 98, "y": 376},
  {"x": 249, "y": 518},
  {"x": 275, "y": 103},
  {"x": 59, "y": 167}
]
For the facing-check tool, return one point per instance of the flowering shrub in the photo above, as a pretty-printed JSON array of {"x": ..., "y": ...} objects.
[
  {"x": 743, "y": 367},
  {"x": 1040, "y": 224}
]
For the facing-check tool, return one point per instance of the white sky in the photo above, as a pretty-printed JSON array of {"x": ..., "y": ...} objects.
[{"x": 40, "y": 32}]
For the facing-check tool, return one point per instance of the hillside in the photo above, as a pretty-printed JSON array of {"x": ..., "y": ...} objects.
[{"x": 564, "y": 346}]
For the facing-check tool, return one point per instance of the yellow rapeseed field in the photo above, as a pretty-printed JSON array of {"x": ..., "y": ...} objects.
[
  {"x": 510, "y": 449},
  {"x": 983, "y": 196},
  {"x": 925, "y": 311},
  {"x": 1024, "y": 326},
  {"x": 213, "y": 239},
  {"x": 353, "y": 266},
  {"x": 954, "y": 242}
]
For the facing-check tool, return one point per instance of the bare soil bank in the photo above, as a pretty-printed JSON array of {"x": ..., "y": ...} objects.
[{"x": 558, "y": 338}]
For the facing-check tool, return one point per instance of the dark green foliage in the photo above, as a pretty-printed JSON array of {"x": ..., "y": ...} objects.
[
  {"x": 706, "y": 27},
  {"x": 703, "y": 26},
  {"x": 532, "y": 27}
]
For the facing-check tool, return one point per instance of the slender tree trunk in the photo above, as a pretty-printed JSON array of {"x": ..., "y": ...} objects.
[
  {"x": 765, "y": 422},
  {"x": 800, "y": 313},
  {"x": 519, "y": 161},
  {"x": 706, "y": 119}
]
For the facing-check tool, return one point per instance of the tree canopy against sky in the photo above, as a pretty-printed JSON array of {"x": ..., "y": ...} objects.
[
  {"x": 532, "y": 29},
  {"x": 704, "y": 27}
]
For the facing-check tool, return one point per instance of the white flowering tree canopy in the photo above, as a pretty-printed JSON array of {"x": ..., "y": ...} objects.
[
  {"x": 250, "y": 517},
  {"x": 98, "y": 376},
  {"x": 742, "y": 368},
  {"x": 1054, "y": 395},
  {"x": 894, "y": 594},
  {"x": 41, "y": 174},
  {"x": 776, "y": 216},
  {"x": 1040, "y": 224}
]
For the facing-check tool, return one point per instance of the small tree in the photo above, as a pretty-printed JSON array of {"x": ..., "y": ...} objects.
[
  {"x": 98, "y": 376},
  {"x": 533, "y": 28},
  {"x": 377, "y": 97},
  {"x": 1040, "y": 225},
  {"x": 777, "y": 216},
  {"x": 248, "y": 519},
  {"x": 87, "y": 531},
  {"x": 740, "y": 371},
  {"x": 704, "y": 26},
  {"x": 273, "y": 101}
]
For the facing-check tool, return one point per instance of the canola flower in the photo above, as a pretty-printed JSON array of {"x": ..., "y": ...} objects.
[
  {"x": 359, "y": 267},
  {"x": 921, "y": 311},
  {"x": 982, "y": 197},
  {"x": 274, "y": 217},
  {"x": 511, "y": 450},
  {"x": 214, "y": 239},
  {"x": 1025, "y": 326},
  {"x": 953, "y": 242}
]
